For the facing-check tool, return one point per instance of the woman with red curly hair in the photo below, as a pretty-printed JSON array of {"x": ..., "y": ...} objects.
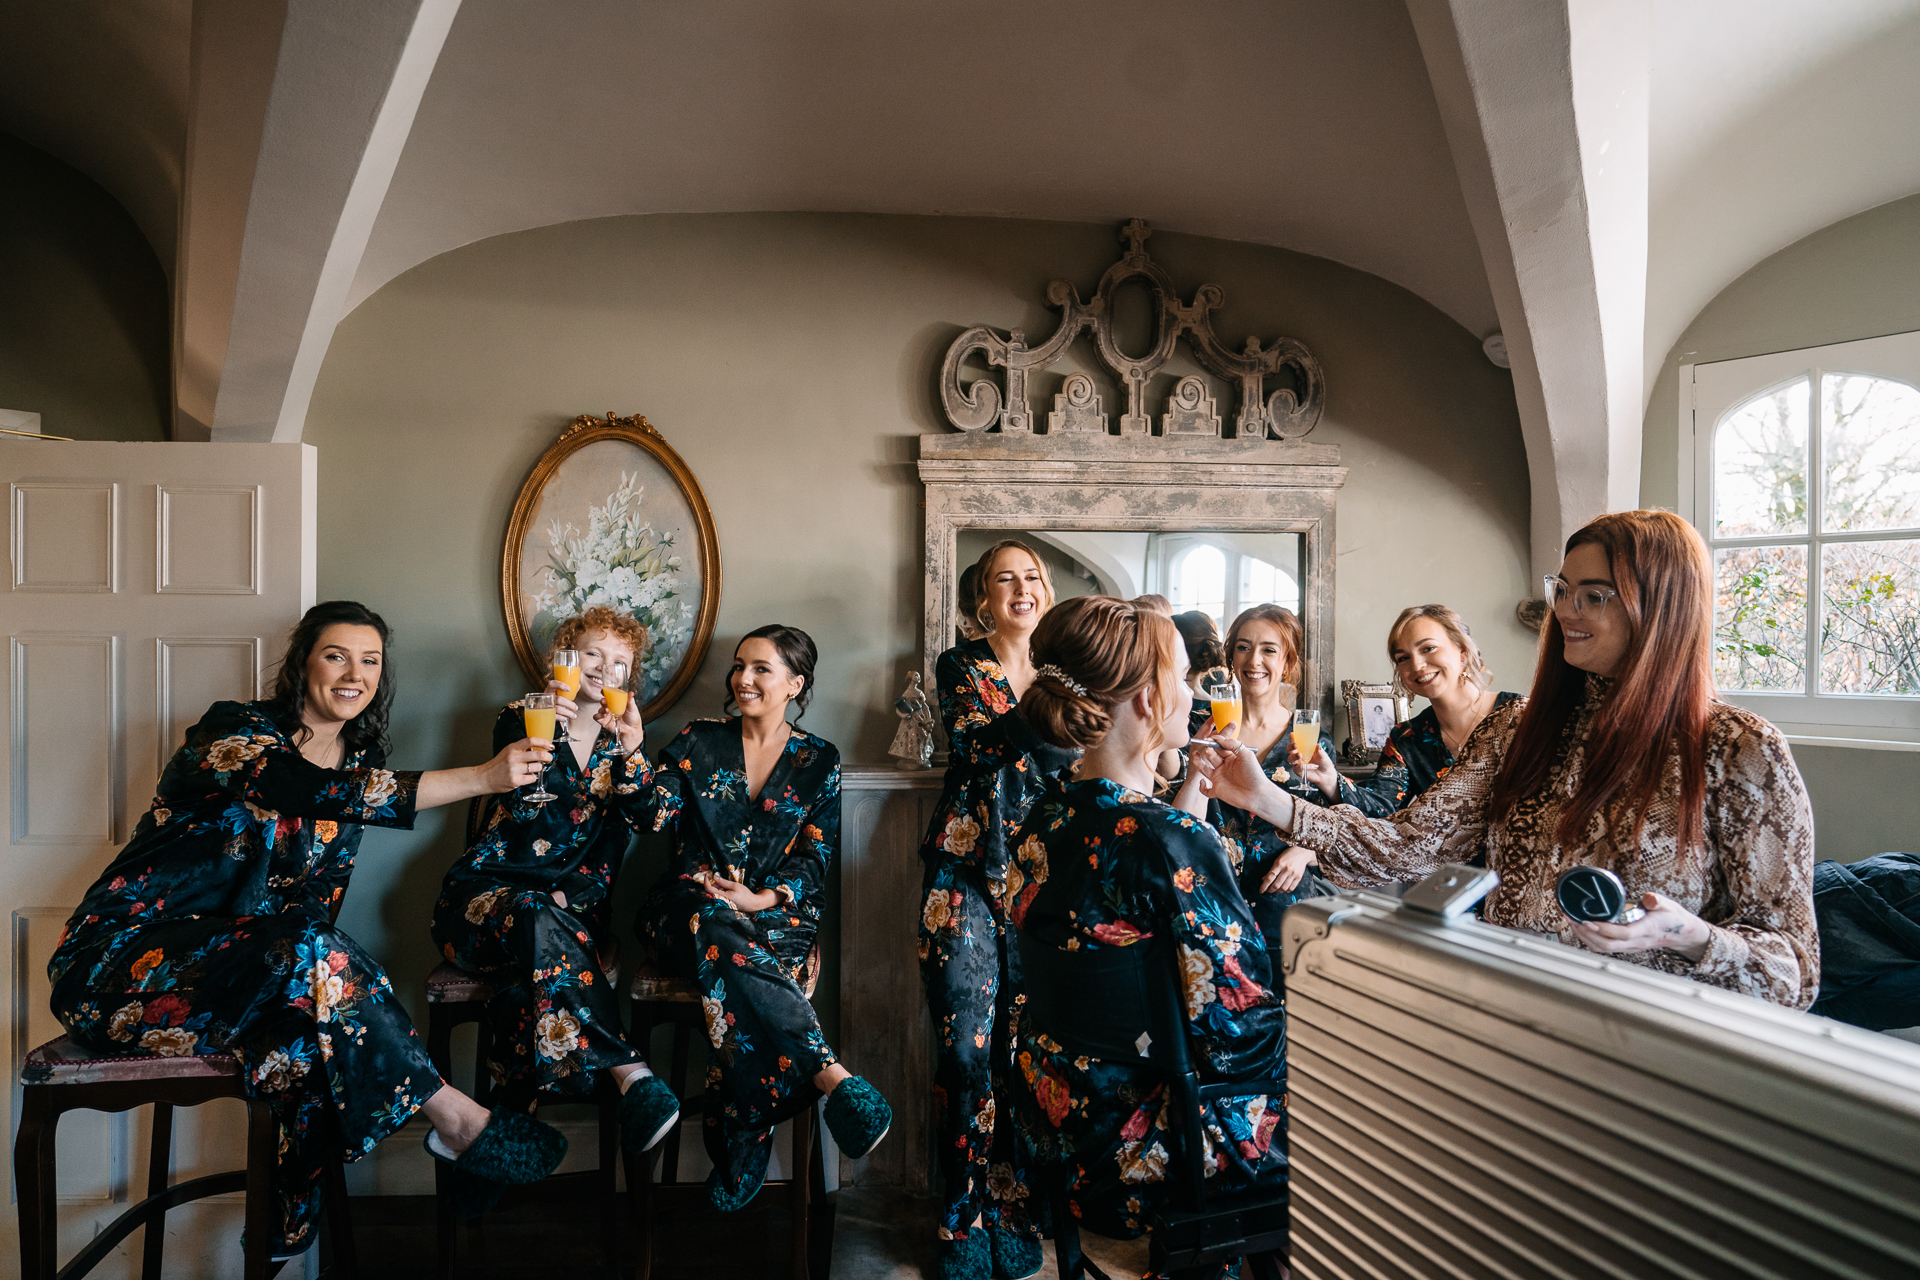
[{"x": 529, "y": 902}]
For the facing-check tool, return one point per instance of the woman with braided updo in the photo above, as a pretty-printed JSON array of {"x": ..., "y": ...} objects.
[
  {"x": 1101, "y": 863},
  {"x": 996, "y": 767}
]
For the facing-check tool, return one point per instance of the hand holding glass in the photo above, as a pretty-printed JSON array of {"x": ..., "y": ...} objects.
[
  {"x": 538, "y": 712},
  {"x": 1306, "y": 734},
  {"x": 566, "y": 670},
  {"x": 1223, "y": 693},
  {"x": 613, "y": 689}
]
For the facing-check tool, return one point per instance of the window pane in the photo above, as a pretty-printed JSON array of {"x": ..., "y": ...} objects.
[
  {"x": 1760, "y": 465},
  {"x": 1870, "y": 625},
  {"x": 1870, "y": 433},
  {"x": 1264, "y": 583},
  {"x": 1200, "y": 581},
  {"x": 1760, "y": 619}
]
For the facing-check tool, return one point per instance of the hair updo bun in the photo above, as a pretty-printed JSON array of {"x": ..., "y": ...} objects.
[{"x": 1091, "y": 654}]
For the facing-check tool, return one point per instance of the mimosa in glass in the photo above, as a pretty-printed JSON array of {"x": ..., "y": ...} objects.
[
  {"x": 566, "y": 670},
  {"x": 613, "y": 690},
  {"x": 1223, "y": 695},
  {"x": 537, "y": 710},
  {"x": 1306, "y": 733}
]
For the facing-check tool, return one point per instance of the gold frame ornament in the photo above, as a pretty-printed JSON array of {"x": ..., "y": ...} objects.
[
  {"x": 1354, "y": 693},
  {"x": 636, "y": 431}
]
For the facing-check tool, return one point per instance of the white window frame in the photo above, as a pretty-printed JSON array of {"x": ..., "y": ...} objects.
[
  {"x": 1169, "y": 547},
  {"x": 1708, "y": 391}
]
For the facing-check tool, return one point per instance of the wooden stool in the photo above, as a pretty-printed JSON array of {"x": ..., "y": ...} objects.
[
  {"x": 657, "y": 999},
  {"x": 456, "y": 996},
  {"x": 62, "y": 1076}
]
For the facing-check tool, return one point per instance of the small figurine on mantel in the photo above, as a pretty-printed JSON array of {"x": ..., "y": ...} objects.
[{"x": 913, "y": 743}]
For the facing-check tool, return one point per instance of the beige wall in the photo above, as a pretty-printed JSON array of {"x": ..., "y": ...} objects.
[
  {"x": 1858, "y": 278},
  {"x": 83, "y": 305},
  {"x": 791, "y": 359}
]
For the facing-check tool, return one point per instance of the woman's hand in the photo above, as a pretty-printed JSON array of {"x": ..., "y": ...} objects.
[
  {"x": 626, "y": 726},
  {"x": 1319, "y": 770},
  {"x": 1233, "y": 775},
  {"x": 1667, "y": 926},
  {"x": 517, "y": 765},
  {"x": 1288, "y": 870},
  {"x": 742, "y": 898}
]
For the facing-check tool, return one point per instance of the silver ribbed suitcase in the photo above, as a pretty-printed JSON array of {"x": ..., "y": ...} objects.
[{"x": 1468, "y": 1101}]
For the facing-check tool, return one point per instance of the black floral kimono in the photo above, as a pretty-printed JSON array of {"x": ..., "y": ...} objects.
[
  {"x": 554, "y": 1017},
  {"x": 1253, "y": 843},
  {"x": 996, "y": 768},
  {"x": 1098, "y": 865},
  {"x": 1414, "y": 758},
  {"x": 211, "y": 933},
  {"x": 767, "y": 1043}
]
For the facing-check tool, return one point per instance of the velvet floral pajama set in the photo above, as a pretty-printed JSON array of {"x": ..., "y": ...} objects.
[
  {"x": 1098, "y": 865},
  {"x": 211, "y": 932},
  {"x": 554, "y": 1016},
  {"x": 997, "y": 767},
  {"x": 1253, "y": 843},
  {"x": 766, "y": 1040}
]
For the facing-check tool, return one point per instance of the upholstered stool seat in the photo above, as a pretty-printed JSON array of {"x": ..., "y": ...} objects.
[
  {"x": 62, "y": 1076},
  {"x": 657, "y": 998}
]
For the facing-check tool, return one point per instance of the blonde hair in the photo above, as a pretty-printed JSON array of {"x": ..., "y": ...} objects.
[
  {"x": 982, "y": 610},
  {"x": 1474, "y": 668},
  {"x": 1092, "y": 654}
]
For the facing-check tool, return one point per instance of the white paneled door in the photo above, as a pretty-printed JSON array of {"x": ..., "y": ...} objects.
[{"x": 149, "y": 580}]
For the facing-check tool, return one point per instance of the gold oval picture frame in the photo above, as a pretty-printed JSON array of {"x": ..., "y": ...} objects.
[{"x": 612, "y": 515}]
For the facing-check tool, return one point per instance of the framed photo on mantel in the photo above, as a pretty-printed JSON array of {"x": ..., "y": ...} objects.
[
  {"x": 1372, "y": 712},
  {"x": 611, "y": 515}
]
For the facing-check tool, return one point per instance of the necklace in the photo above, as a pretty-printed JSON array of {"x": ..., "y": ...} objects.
[{"x": 1453, "y": 746}]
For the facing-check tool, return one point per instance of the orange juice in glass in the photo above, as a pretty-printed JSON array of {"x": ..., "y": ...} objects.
[
  {"x": 1223, "y": 696},
  {"x": 613, "y": 690},
  {"x": 1306, "y": 733},
  {"x": 566, "y": 670},
  {"x": 537, "y": 710}
]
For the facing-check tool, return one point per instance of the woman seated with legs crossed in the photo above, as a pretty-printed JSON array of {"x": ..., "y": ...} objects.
[
  {"x": 212, "y": 930},
  {"x": 528, "y": 904},
  {"x": 1100, "y": 863},
  {"x": 1621, "y": 758},
  {"x": 751, "y": 805}
]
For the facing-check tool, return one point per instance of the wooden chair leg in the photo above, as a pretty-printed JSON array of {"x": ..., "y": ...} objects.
[
  {"x": 447, "y": 1231},
  {"x": 640, "y": 1212},
  {"x": 607, "y": 1183},
  {"x": 820, "y": 1214},
  {"x": 159, "y": 1166},
  {"x": 263, "y": 1152},
  {"x": 343, "y": 1262},
  {"x": 670, "y": 1160},
  {"x": 800, "y": 1184},
  {"x": 33, "y": 1183}
]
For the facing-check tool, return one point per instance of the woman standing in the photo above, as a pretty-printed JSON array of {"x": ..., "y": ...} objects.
[
  {"x": 1621, "y": 758},
  {"x": 1434, "y": 657},
  {"x": 212, "y": 930},
  {"x": 528, "y": 904},
  {"x": 996, "y": 767},
  {"x": 752, "y": 807},
  {"x": 1100, "y": 863}
]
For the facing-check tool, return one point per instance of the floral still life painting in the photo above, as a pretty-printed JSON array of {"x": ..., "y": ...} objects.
[{"x": 612, "y": 516}]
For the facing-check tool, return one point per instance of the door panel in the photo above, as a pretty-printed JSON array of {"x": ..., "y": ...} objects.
[{"x": 149, "y": 580}]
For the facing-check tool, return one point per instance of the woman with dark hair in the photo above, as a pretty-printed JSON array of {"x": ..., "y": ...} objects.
[
  {"x": 751, "y": 806},
  {"x": 212, "y": 930},
  {"x": 1100, "y": 863},
  {"x": 996, "y": 767},
  {"x": 1622, "y": 758},
  {"x": 1201, "y": 634},
  {"x": 529, "y": 904}
]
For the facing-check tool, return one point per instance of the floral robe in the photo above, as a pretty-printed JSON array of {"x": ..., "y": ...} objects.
[
  {"x": 997, "y": 767},
  {"x": 766, "y": 1040},
  {"x": 1414, "y": 758},
  {"x": 1103, "y": 866},
  {"x": 211, "y": 933},
  {"x": 1253, "y": 843},
  {"x": 554, "y": 1017}
]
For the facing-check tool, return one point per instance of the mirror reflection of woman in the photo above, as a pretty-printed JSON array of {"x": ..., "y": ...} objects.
[
  {"x": 1622, "y": 757},
  {"x": 1100, "y": 863},
  {"x": 211, "y": 931},
  {"x": 997, "y": 766},
  {"x": 751, "y": 805},
  {"x": 528, "y": 903}
]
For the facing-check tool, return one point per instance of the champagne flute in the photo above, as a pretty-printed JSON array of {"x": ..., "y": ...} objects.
[
  {"x": 566, "y": 670},
  {"x": 1306, "y": 733},
  {"x": 613, "y": 689},
  {"x": 538, "y": 712},
  {"x": 1223, "y": 696}
]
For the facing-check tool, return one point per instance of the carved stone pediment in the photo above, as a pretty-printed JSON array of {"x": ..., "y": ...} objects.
[{"x": 1280, "y": 387}]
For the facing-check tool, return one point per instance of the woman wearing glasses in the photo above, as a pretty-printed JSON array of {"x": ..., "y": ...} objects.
[{"x": 1621, "y": 758}]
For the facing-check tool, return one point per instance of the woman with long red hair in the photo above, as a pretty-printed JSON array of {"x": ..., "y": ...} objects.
[{"x": 1621, "y": 758}]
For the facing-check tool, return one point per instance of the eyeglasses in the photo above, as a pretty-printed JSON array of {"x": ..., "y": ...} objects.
[{"x": 1584, "y": 600}]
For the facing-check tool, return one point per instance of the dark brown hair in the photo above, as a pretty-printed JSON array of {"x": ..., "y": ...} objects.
[
  {"x": 1290, "y": 631},
  {"x": 1112, "y": 649},
  {"x": 797, "y": 654},
  {"x": 1202, "y": 634},
  {"x": 288, "y": 701},
  {"x": 1661, "y": 701}
]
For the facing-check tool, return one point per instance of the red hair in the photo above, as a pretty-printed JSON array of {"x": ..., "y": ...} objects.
[{"x": 1662, "y": 699}]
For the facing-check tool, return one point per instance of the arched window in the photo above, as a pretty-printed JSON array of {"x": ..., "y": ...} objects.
[
  {"x": 1810, "y": 485},
  {"x": 1199, "y": 581}
]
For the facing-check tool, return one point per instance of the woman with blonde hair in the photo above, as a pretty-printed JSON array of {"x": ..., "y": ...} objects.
[
  {"x": 1434, "y": 657},
  {"x": 1623, "y": 758},
  {"x": 1100, "y": 863},
  {"x": 996, "y": 766}
]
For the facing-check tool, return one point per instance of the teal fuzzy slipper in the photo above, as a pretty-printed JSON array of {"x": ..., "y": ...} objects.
[
  {"x": 739, "y": 1167},
  {"x": 857, "y": 1116},
  {"x": 1016, "y": 1254},
  {"x": 648, "y": 1112},
  {"x": 966, "y": 1257},
  {"x": 513, "y": 1150}
]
